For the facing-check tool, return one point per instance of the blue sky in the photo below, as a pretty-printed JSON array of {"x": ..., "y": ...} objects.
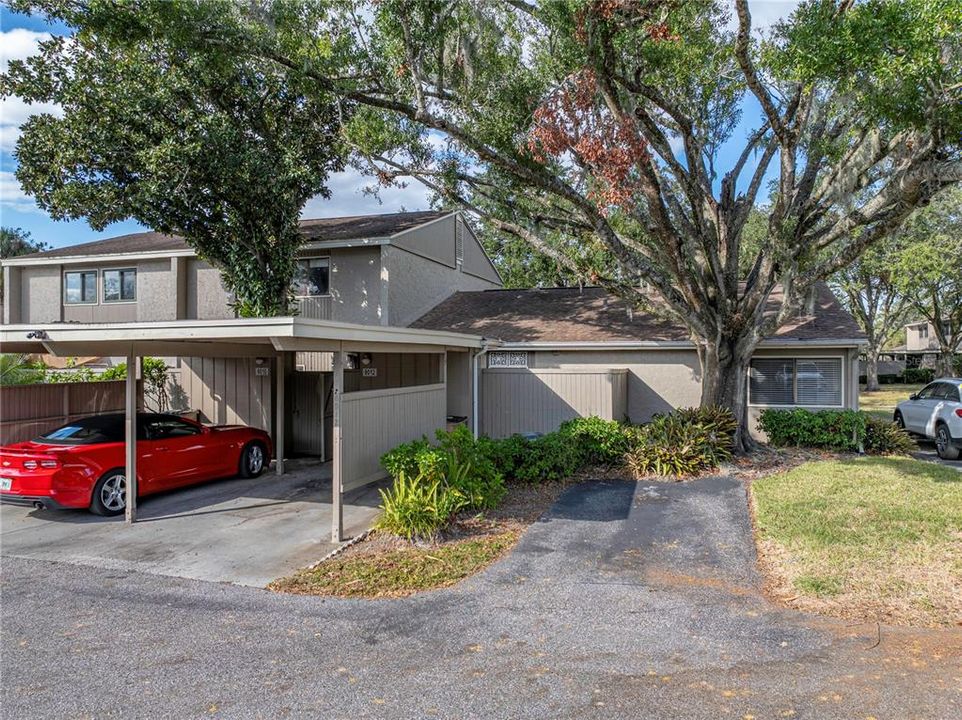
[{"x": 18, "y": 37}]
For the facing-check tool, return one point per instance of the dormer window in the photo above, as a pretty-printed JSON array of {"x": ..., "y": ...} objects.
[{"x": 313, "y": 277}]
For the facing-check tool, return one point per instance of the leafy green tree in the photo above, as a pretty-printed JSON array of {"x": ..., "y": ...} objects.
[
  {"x": 929, "y": 270},
  {"x": 222, "y": 149},
  {"x": 871, "y": 289},
  {"x": 17, "y": 241},
  {"x": 602, "y": 121},
  {"x": 19, "y": 369}
]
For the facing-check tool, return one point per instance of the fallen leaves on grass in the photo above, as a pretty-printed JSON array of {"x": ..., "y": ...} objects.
[{"x": 400, "y": 572}]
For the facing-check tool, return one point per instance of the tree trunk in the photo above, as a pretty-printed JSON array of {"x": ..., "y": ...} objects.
[
  {"x": 943, "y": 363},
  {"x": 724, "y": 372},
  {"x": 871, "y": 371}
]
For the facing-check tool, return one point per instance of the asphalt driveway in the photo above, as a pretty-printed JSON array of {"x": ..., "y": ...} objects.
[{"x": 627, "y": 601}]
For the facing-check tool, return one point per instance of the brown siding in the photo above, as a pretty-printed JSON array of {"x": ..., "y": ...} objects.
[
  {"x": 29, "y": 410},
  {"x": 228, "y": 390}
]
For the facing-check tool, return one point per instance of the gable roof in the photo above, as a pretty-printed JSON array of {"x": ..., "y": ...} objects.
[
  {"x": 354, "y": 227},
  {"x": 593, "y": 315}
]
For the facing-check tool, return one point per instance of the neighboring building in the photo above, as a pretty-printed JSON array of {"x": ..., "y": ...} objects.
[
  {"x": 402, "y": 327},
  {"x": 921, "y": 347}
]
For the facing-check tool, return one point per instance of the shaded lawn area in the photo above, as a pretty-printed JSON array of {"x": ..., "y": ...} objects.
[
  {"x": 881, "y": 403},
  {"x": 871, "y": 537}
]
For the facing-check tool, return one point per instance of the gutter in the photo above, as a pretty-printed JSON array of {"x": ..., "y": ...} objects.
[{"x": 673, "y": 344}]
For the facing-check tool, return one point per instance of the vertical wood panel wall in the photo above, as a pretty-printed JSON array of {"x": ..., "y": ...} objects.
[
  {"x": 27, "y": 411},
  {"x": 516, "y": 401},
  {"x": 228, "y": 390},
  {"x": 375, "y": 421}
]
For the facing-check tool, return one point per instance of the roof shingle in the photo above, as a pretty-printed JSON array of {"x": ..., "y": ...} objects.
[
  {"x": 594, "y": 315},
  {"x": 352, "y": 227}
]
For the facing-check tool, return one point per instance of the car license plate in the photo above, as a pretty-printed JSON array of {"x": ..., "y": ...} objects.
[{"x": 6, "y": 483}]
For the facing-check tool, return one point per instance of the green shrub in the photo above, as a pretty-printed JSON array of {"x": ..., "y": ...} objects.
[
  {"x": 918, "y": 376},
  {"x": 482, "y": 490},
  {"x": 678, "y": 444},
  {"x": 550, "y": 457},
  {"x": 884, "y": 437},
  {"x": 508, "y": 454},
  {"x": 828, "y": 429},
  {"x": 418, "y": 506},
  {"x": 718, "y": 422},
  {"x": 599, "y": 442}
]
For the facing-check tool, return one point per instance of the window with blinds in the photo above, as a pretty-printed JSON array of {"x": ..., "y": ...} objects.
[{"x": 802, "y": 381}]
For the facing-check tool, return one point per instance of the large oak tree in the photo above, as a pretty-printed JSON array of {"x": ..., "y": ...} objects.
[
  {"x": 221, "y": 148},
  {"x": 574, "y": 123}
]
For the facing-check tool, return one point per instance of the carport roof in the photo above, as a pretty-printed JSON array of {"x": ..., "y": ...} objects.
[{"x": 220, "y": 338}]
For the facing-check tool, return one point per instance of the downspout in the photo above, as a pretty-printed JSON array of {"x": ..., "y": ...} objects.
[{"x": 475, "y": 383}]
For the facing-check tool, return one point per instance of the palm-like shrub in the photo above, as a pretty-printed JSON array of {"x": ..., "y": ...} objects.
[{"x": 418, "y": 507}]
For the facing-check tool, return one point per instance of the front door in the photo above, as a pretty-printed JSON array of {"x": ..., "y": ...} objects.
[{"x": 307, "y": 414}]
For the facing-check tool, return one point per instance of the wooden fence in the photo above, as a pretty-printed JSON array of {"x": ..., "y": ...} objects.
[{"x": 27, "y": 411}]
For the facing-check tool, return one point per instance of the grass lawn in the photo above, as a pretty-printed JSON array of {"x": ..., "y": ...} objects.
[
  {"x": 864, "y": 537},
  {"x": 881, "y": 403},
  {"x": 402, "y": 571}
]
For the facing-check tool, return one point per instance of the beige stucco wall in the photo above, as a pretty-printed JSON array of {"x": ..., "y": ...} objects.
[
  {"x": 416, "y": 284},
  {"x": 206, "y": 297},
  {"x": 356, "y": 292},
  {"x": 40, "y": 294}
]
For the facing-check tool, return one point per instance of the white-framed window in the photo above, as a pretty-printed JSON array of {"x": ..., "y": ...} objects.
[
  {"x": 120, "y": 285},
  {"x": 80, "y": 287},
  {"x": 806, "y": 382},
  {"x": 508, "y": 359},
  {"x": 312, "y": 277}
]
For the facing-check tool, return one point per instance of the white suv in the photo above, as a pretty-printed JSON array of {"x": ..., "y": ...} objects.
[{"x": 935, "y": 412}]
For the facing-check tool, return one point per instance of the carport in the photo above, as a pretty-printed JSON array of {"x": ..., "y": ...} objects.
[{"x": 368, "y": 419}]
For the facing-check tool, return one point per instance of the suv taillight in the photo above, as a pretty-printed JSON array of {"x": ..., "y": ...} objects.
[{"x": 958, "y": 411}]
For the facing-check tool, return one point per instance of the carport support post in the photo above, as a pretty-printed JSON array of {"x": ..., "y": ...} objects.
[
  {"x": 130, "y": 438},
  {"x": 337, "y": 468},
  {"x": 279, "y": 411}
]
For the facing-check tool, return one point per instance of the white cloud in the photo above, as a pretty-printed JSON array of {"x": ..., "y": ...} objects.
[
  {"x": 19, "y": 44},
  {"x": 12, "y": 195},
  {"x": 348, "y": 197}
]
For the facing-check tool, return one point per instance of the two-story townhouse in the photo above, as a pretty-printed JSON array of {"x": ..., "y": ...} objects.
[{"x": 382, "y": 270}]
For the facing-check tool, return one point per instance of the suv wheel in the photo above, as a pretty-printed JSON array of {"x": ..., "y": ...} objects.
[{"x": 943, "y": 444}]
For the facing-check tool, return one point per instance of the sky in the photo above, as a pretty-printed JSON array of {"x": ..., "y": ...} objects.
[{"x": 19, "y": 35}]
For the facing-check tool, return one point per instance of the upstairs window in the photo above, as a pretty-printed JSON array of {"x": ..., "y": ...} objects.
[
  {"x": 313, "y": 277},
  {"x": 80, "y": 288},
  {"x": 802, "y": 381},
  {"x": 120, "y": 285}
]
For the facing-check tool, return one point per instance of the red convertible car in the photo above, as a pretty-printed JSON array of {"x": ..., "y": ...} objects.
[{"x": 81, "y": 464}]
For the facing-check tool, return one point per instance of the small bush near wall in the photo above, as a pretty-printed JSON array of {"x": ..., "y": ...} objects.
[
  {"x": 884, "y": 437},
  {"x": 686, "y": 442},
  {"x": 918, "y": 376},
  {"x": 828, "y": 429},
  {"x": 600, "y": 442},
  {"x": 418, "y": 507}
]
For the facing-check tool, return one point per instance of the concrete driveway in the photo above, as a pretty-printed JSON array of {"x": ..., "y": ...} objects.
[
  {"x": 627, "y": 601},
  {"x": 240, "y": 531}
]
